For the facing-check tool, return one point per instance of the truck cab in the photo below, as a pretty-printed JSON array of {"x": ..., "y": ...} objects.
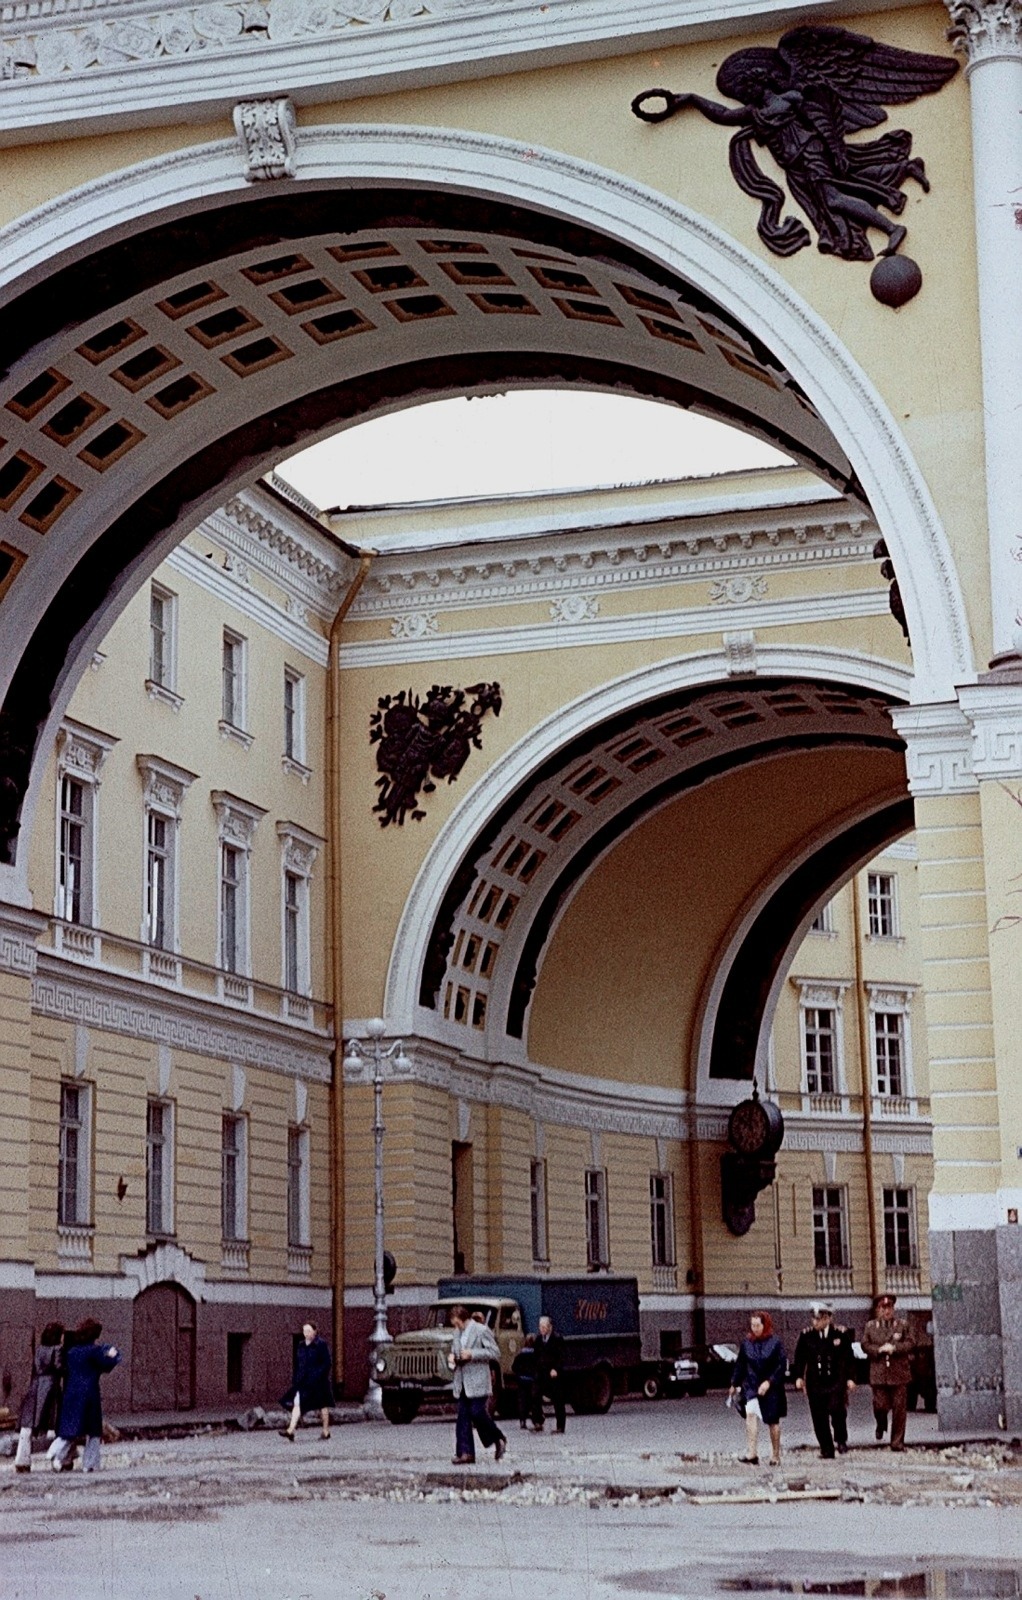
[{"x": 414, "y": 1367}]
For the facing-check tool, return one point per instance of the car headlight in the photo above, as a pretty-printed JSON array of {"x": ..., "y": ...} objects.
[{"x": 381, "y": 1365}]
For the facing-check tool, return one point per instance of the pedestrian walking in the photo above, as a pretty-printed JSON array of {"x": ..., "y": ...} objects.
[
  {"x": 524, "y": 1369},
  {"x": 823, "y": 1369},
  {"x": 472, "y": 1350},
  {"x": 40, "y": 1409},
  {"x": 311, "y": 1384},
  {"x": 81, "y": 1409},
  {"x": 888, "y": 1342},
  {"x": 549, "y": 1375},
  {"x": 757, "y": 1383}
]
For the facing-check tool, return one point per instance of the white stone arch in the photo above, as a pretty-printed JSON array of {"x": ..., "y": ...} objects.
[
  {"x": 588, "y": 711},
  {"x": 166, "y": 1263},
  {"x": 656, "y": 227}
]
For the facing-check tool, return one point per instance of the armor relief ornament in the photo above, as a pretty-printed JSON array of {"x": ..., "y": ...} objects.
[
  {"x": 799, "y": 102},
  {"x": 420, "y": 739}
]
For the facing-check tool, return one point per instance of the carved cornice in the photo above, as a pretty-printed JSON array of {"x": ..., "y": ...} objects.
[
  {"x": 236, "y": 819},
  {"x": 81, "y": 751},
  {"x": 112, "y": 1004},
  {"x": 299, "y": 848},
  {"x": 165, "y": 783},
  {"x": 286, "y": 556},
  {"x": 986, "y": 30}
]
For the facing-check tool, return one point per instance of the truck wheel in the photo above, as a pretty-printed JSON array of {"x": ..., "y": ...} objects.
[
  {"x": 594, "y": 1393},
  {"x": 651, "y": 1387},
  {"x": 402, "y": 1405}
]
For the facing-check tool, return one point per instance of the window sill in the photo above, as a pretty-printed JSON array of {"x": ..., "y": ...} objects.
[
  {"x": 229, "y": 731},
  {"x": 160, "y": 691},
  {"x": 234, "y": 1255},
  {"x": 885, "y": 938},
  {"x": 295, "y": 768},
  {"x": 74, "y": 1243},
  {"x": 299, "y": 1260}
]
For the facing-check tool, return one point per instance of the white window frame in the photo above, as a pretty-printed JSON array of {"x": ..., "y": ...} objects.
[
  {"x": 168, "y": 1128},
  {"x": 163, "y": 686},
  {"x": 875, "y": 901},
  {"x": 238, "y": 1231},
  {"x": 886, "y": 1000},
  {"x": 538, "y": 1214},
  {"x": 842, "y": 1210},
  {"x": 823, "y": 922},
  {"x": 82, "y": 1207},
  {"x": 298, "y": 852},
  {"x": 164, "y": 789},
  {"x": 908, "y": 1189},
  {"x": 817, "y": 994},
  {"x": 234, "y": 716},
  {"x": 295, "y": 681},
  {"x": 81, "y": 754},
  {"x": 237, "y": 821},
  {"x": 299, "y": 1210},
  {"x": 597, "y": 1210},
  {"x": 662, "y": 1205}
]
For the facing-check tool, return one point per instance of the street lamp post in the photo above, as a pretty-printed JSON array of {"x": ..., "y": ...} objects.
[{"x": 376, "y": 1028}]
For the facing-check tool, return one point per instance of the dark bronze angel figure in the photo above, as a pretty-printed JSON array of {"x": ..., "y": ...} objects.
[
  {"x": 419, "y": 740},
  {"x": 799, "y": 101}
]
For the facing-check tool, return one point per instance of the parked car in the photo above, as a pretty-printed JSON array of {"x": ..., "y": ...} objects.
[{"x": 699, "y": 1367}]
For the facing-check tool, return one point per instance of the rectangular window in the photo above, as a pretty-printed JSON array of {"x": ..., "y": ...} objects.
[
  {"x": 232, "y": 1177},
  {"x": 661, "y": 1218},
  {"x": 159, "y": 889},
  {"x": 233, "y": 679},
  {"x": 159, "y": 1167},
  {"x": 830, "y": 1227},
  {"x": 883, "y": 910},
  {"x": 73, "y": 1166},
  {"x": 293, "y": 933},
  {"x": 538, "y": 1211},
  {"x": 237, "y": 1361},
  {"x": 597, "y": 1235},
  {"x": 161, "y": 636},
  {"x": 232, "y": 889},
  {"x": 821, "y": 1056},
  {"x": 294, "y": 715},
  {"x": 298, "y": 1186},
  {"x": 823, "y": 922},
  {"x": 889, "y": 1047},
  {"x": 74, "y": 856},
  {"x": 900, "y": 1228}
]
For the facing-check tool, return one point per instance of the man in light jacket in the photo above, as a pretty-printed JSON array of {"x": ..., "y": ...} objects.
[{"x": 473, "y": 1349}]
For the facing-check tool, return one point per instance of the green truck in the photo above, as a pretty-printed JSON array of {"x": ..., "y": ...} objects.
[{"x": 597, "y": 1316}]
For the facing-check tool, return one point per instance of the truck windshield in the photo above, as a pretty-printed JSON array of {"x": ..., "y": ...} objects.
[{"x": 440, "y": 1316}]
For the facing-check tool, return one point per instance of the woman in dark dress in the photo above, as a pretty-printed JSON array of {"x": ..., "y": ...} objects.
[
  {"x": 311, "y": 1387},
  {"x": 758, "y": 1378},
  {"x": 81, "y": 1411},
  {"x": 40, "y": 1408}
]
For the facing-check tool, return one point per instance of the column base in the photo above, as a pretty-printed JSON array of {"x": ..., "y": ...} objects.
[
  {"x": 977, "y": 1327},
  {"x": 1003, "y": 668}
]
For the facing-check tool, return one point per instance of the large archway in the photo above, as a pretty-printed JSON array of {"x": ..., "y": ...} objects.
[{"x": 275, "y": 320}]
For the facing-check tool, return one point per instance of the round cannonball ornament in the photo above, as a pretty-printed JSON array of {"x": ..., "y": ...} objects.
[
  {"x": 895, "y": 280},
  {"x": 755, "y": 1127}
]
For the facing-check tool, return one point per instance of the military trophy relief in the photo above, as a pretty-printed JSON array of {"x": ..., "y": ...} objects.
[
  {"x": 799, "y": 102},
  {"x": 420, "y": 740}
]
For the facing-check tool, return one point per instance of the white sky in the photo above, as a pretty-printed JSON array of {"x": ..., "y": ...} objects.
[{"x": 516, "y": 443}]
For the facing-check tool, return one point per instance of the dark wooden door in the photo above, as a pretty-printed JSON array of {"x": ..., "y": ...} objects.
[{"x": 163, "y": 1350}]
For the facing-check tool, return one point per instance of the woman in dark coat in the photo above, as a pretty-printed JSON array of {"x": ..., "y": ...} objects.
[
  {"x": 311, "y": 1387},
  {"x": 41, "y": 1405},
  {"x": 758, "y": 1378},
  {"x": 81, "y": 1411}
]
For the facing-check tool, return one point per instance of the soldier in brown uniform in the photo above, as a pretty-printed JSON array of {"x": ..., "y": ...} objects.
[{"x": 887, "y": 1341}]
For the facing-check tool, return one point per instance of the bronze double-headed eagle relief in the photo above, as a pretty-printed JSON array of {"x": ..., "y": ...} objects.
[{"x": 799, "y": 101}]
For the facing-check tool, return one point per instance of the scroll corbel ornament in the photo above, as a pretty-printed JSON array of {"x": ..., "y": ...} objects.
[{"x": 268, "y": 135}]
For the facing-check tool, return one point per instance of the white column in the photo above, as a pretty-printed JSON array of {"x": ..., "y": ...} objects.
[{"x": 989, "y": 33}]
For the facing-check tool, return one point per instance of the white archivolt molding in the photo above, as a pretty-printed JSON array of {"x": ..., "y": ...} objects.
[
  {"x": 659, "y": 228},
  {"x": 189, "y": 181},
  {"x": 598, "y": 705}
]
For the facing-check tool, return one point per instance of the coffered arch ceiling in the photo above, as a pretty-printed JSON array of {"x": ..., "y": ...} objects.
[
  {"x": 201, "y": 350},
  {"x": 503, "y": 906}
]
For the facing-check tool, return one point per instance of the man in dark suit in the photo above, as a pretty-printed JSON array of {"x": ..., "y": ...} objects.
[
  {"x": 549, "y": 1379},
  {"x": 823, "y": 1369},
  {"x": 888, "y": 1342}
]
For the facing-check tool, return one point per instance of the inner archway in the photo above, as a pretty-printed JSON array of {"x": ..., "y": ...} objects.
[{"x": 110, "y": 455}]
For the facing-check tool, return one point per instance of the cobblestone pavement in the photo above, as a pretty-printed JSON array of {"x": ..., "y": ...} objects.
[{"x": 648, "y": 1500}]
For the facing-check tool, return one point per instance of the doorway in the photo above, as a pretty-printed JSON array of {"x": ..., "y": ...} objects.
[{"x": 163, "y": 1350}]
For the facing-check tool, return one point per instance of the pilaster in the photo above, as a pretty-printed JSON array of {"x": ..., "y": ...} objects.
[
  {"x": 19, "y": 929},
  {"x": 989, "y": 34}
]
